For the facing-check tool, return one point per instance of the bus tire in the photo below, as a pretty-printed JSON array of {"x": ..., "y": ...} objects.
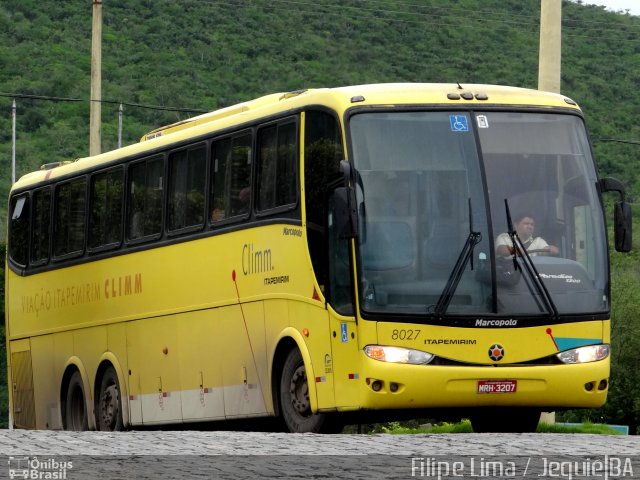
[
  {"x": 505, "y": 420},
  {"x": 295, "y": 406},
  {"x": 109, "y": 403},
  {"x": 75, "y": 411}
]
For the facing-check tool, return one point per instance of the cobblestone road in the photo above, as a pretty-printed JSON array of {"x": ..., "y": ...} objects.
[{"x": 188, "y": 454}]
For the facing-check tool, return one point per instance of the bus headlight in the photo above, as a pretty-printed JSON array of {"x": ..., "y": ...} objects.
[
  {"x": 592, "y": 353},
  {"x": 397, "y": 355}
]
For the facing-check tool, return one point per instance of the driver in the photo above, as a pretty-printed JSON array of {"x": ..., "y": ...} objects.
[{"x": 524, "y": 226}]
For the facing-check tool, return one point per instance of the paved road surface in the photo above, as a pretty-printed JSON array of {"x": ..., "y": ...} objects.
[{"x": 233, "y": 455}]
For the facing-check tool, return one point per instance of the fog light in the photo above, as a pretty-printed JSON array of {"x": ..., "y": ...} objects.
[
  {"x": 376, "y": 385},
  {"x": 603, "y": 384},
  {"x": 589, "y": 386},
  {"x": 393, "y": 387}
]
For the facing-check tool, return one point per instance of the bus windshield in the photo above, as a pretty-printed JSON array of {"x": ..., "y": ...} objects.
[{"x": 478, "y": 214}]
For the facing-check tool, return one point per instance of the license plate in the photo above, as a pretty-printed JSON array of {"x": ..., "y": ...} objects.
[{"x": 497, "y": 386}]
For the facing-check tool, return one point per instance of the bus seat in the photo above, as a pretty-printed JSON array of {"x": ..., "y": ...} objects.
[
  {"x": 442, "y": 248},
  {"x": 389, "y": 247}
]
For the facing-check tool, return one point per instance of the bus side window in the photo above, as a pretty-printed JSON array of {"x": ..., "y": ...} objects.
[
  {"x": 40, "y": 226},
  {"x": 240, "y": 191},
  {"x": 231, "y": 171},
  {"x": 277, "y": 166},
  {"x": 220, "y": 152},
  {"x": 146, "y": 197},
  {"x": 69, "y": 218},
  {"x": 19, "y": 229},
  {"x": 187, "y": 188},
  {"x": 105, "y": 216},
  {"x": 322, "y": 154}
]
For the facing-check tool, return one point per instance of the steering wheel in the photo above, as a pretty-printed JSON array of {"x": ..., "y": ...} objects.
[{"x": 542, "y": 250}]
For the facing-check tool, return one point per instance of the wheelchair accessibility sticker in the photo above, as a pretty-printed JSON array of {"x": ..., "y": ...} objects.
[
  {"x": 459, "y": 123},
  {"x": 344, "y": 333}
]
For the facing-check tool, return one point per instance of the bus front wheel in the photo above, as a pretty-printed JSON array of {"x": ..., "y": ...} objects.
[
  {"x": 75, "y": 411},
  {"x": 295, "y": 406},
  {"x": 109, "y": 405}
]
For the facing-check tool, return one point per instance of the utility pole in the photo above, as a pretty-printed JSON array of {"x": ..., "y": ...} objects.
[
  {"x": 549, "y": 64},
  {"x": 550, "y": 45},
  {"x": 120, "y": 126},
  {"x": 13, "y": 142},
  {"x": 95, "y": 108}
]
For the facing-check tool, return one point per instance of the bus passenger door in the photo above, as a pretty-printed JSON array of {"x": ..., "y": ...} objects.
[
  {"x": 345, "y": 361},
  {"x": 344, "y": 339}
]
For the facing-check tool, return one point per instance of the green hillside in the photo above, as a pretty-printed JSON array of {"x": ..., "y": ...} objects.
[{"x": 200, "y": 55}]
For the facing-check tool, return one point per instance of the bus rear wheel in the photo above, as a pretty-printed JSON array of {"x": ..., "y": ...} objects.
[
  {"x": 109, "y": 404},
  {"x": 75, "y": 411},
  {"x": 295, "y": 406},
  {"x": 505, "y": 420}
]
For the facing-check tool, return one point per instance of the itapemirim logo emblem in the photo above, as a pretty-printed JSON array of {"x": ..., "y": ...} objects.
[{"x": 496, "y": 352}]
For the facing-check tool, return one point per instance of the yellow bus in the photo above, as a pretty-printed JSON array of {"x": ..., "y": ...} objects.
[{"x": 317, "y": 256}]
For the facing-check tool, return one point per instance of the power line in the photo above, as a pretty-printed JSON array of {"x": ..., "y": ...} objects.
[
  {"x": 112, "y": 102},
  {"x": 617, "y": 140},
  {"x": 39, "y": 97}
]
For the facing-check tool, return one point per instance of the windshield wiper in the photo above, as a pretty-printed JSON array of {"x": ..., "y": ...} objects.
[
  {"x": 518, "y": 246},
  {"x": 458, "y": 269}
]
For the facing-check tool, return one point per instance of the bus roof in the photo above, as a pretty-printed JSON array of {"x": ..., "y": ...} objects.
[{"x": 340, "y": 99}]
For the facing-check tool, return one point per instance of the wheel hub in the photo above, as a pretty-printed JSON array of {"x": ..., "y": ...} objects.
[
  {"x": 109, "y": 406},
  {"x": 299, "y": 391}
]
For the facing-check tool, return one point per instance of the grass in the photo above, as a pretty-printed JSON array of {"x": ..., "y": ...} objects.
[
  {"x": 596, "y": 428},
  {"x": 464, "y": 426}
]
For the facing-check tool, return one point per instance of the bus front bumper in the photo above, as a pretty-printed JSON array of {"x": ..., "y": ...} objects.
[{"x": 398, "y": 386}]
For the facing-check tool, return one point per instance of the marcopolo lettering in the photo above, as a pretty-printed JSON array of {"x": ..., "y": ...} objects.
[
  {"x": 295, "y": 232},
  {"x": 496, "y": 323}
]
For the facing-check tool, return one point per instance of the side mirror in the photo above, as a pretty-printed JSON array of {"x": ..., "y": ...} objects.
[
  {"x": 346, "y": 216},
  {"x": 622, "y": 225},
  {"x": 621, "y": 215},
  {"x": 346, "y": 210},
  {"x": 347, "y": 173}
]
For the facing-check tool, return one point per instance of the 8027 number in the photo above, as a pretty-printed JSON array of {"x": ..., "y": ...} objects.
[{"x": 401, "y": 334}]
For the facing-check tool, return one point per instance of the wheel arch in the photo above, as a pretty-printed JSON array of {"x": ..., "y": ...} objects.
[
  {"x": 108, "y": 360},
  {"x": 74, "y": 364},
  {"x": 289, "y": 339}
]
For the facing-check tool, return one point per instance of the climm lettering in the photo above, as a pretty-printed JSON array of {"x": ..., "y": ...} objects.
[
  {"x": 123, "y": 286},
  {"x": 256, "y": 260}
]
